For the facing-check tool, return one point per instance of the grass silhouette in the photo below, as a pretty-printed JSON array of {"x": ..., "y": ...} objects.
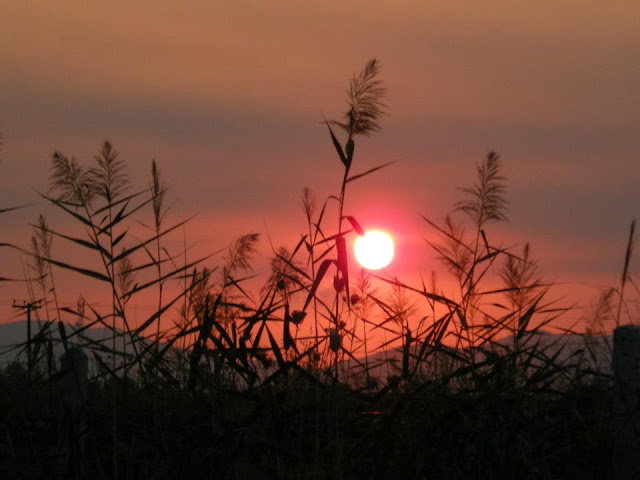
[{"x": 236, "y": 389}]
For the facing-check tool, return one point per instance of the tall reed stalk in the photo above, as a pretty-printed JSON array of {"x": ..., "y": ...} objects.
[
  {"x": 158, "y": 190},
  {"x": 625, "y": 270}
]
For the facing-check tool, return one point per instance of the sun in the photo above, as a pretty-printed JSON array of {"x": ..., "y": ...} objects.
[{"x": 374, "y": 250}]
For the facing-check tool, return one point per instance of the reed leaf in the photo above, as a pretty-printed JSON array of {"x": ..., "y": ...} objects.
[
  {"x": 322, "y": 270},
  {"x": 354, "y": 223},
  {"x": 353, "y": 178},
  {"x": 129, "y": 251}
]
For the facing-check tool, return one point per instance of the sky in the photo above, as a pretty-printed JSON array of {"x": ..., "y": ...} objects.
[{"x": 229, "y": 97}]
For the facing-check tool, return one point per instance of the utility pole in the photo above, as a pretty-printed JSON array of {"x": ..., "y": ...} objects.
[{"x": 28, "y": 307}]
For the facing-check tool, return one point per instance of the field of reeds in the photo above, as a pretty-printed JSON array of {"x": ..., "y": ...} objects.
[{"x": 313, "y": 373}]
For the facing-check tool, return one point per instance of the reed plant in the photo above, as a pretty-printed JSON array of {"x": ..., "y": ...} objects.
[{"x": 290, "y": 379}]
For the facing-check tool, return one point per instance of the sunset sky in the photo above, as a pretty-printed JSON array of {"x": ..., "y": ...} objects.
[{"x": 229, "y": 97}]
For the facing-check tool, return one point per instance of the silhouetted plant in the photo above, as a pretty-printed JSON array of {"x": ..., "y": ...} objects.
[
  {"x": 364, "y": 95},
  {"x": 72, "y": 182},
  {"x": 365, "y": 109},
  {"x": 41, "y": 245},
  {"x": 158, "y": 191},
  {"x": 625, "y": 270},
  {"x": 486, "y": 198},
  {"x": 236, "y": 383}
]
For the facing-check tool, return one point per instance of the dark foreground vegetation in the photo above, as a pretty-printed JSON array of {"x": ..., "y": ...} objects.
[
  {"x": 292, "y": 379},
  {"x": 299, "y": 429}
]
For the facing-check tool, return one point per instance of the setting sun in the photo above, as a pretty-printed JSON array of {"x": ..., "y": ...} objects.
[{"x": 374, "y": 250}]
